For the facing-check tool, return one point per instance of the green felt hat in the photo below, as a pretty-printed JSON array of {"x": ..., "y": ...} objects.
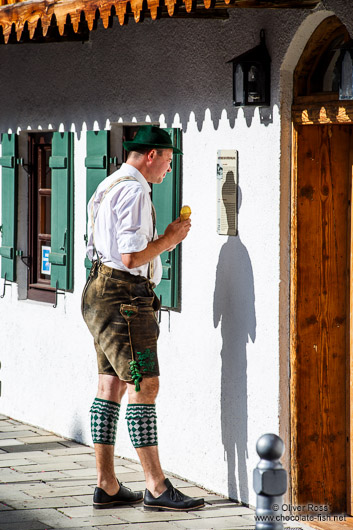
[{"x": 153, "y": 137}]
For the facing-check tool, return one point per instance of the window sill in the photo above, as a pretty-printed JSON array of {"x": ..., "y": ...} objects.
[{"x": 41, "y": 293}]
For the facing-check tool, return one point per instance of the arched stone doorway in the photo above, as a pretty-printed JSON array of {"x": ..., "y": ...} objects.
[{"x": 321, "y": 264}]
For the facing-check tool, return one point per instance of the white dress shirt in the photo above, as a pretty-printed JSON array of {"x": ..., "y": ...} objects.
[{"x": 124, "y": 223}]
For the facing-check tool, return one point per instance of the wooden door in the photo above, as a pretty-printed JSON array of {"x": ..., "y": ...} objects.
[{"x": 320, "y": 425}]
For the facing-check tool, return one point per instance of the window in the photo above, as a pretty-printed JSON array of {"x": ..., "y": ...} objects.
[
  {"x": 317, "y": 71},
  {"x": 325, "y": 76},
  {"x": 50, "y": 220},
  {"x": 165, "y": 196},
  {"x": 39, "y": 208}
]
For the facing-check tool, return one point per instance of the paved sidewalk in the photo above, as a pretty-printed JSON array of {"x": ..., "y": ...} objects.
[{"x": 47, "y": 482}]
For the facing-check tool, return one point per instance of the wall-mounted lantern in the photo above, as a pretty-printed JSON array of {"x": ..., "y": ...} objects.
[
  {"x": 346, "y": 71},
  {"x": 252, "y": 76}
]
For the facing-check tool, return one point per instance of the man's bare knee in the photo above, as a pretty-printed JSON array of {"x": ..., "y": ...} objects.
[
  {"x": 111, "y": 388},
  {"x": 148, "y": 391}
]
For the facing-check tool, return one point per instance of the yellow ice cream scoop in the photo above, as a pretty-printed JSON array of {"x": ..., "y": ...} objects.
[{"x": 185, "y": 213}]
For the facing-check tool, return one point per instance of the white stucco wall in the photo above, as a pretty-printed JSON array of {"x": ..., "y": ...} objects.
[{"x": 220, "y": 359}]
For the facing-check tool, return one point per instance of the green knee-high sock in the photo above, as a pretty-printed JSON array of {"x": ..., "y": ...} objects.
[
  {"x": 142, "y": 424},
  {"x": 104, "y": 421}
]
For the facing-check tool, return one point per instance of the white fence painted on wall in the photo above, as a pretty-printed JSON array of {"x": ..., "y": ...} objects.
[{"x": 220, "y": 358}]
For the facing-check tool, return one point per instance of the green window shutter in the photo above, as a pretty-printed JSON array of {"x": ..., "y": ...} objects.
[
  {"x": 8, "y": 161},
  {"x": 97, "y": 167},
  {"x": 166, "y": 199},
  {"x": 61, "y": 255}
]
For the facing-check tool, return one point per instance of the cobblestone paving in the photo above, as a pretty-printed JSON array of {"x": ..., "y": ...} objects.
[{"x": 47, "y": 482}]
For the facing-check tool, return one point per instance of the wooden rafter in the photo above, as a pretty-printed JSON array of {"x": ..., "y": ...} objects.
[{"x": 14, "y": 15}]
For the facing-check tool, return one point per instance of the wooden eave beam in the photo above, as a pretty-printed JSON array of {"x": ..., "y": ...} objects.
[{"x": 14, "y": 15}]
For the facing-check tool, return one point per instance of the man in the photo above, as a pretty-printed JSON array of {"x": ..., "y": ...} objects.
[{"x": 118, "y": 305}]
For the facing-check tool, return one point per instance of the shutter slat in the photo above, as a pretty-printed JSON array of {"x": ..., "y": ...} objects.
[
  {"x": 58, "y": 162},
  {"x": 96, "y": 162},
  {"x": 7, "y": 161},
  {"x": 6, "y": 252},
  {"x": 61, "y": 255},
  {"x": 57, "y": 259},
  {"x": 8, "y": 206},
  {"x": 166, "y": 273}
]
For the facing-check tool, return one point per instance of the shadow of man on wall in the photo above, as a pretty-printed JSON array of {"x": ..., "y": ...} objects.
[{"x": 234, "y": 308}]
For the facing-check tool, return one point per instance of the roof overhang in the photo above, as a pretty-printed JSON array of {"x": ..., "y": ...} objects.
[{"x": 15, "y": 16}]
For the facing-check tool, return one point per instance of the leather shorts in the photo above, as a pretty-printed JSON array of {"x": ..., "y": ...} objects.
[{"x": 120, "y": 312}]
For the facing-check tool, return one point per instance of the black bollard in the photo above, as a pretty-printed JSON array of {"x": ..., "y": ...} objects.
[{"x": 270, "y": 483}]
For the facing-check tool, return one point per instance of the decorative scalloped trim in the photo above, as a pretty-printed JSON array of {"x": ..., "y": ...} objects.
[{"x": 31, "y": 11}]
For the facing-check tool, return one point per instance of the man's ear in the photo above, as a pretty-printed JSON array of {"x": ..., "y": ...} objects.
[{"x": 151, "y": 154}]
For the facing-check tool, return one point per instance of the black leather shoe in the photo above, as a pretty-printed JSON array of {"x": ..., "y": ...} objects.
[
  {"x": 101, "y": 499},
  {"x": 171, "y": 500}
]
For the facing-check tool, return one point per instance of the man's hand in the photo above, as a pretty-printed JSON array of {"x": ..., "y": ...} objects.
[{"x": 177, "y": 231}]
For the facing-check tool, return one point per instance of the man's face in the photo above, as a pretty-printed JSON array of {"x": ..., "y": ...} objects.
[{"x": 159, "y": 165}]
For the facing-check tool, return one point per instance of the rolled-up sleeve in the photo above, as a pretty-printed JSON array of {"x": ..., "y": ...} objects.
[{"x": 131, "y": 228}]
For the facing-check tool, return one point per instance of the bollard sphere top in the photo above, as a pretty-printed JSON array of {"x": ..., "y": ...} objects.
[{"x": 270, "y": 447}]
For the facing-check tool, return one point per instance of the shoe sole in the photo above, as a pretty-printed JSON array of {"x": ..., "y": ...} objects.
[
  {"x": 101, "y": 506},
  {"x": 156, "y": 508}
]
